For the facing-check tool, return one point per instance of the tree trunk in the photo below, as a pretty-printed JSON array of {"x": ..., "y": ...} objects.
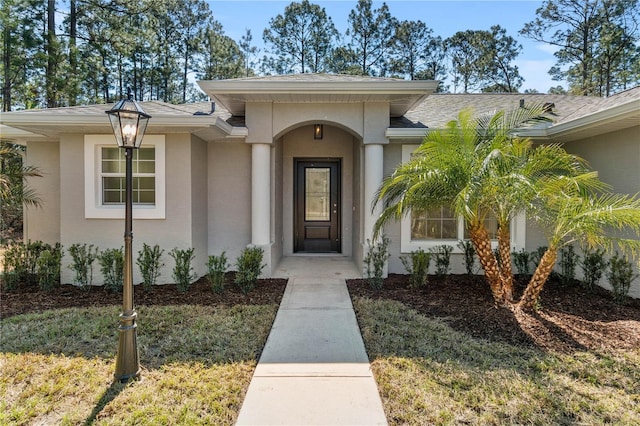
[
  {"x": 6, "y": 60},
  {"x": 532, "y": 292},
  {"x": 482, "y": 243},
  {"x": 50, "y": 73},
  {"x": 506, "y": 273},
  {"x": 73, "y": 54}
]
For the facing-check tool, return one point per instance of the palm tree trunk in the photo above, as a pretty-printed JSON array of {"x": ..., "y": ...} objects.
[
  {"x": 531, "y": 293},
  {"x": 482, "y": 243},
  {"x": 506, "y": 273}
]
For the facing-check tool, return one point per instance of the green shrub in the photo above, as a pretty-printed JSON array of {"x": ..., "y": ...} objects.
[
  {"x": 248, "y": 265},
  {"x": 593, "y": 266},
  {"x": 83, "y": 257},
  {"x": 417, "y": 265},
  {"x": 48, "y": 267},
  {"x": 375, "y": 261},
  {"x": 469, "y": 258},
  {"x": 569, "y": 260},
  {"x": 216, "y": 268},
  {"x": 442, "y": 259},
  {"x": 620, "y": 276},
  {"x": 522, "y": 260},
  {"x": 14, "y": 269},
  {"x": 183, "y": 271},
  {"x": 31, "y": 254},
  {"x": 112, "y": 267},
  {"x": 149, "y": 263}
]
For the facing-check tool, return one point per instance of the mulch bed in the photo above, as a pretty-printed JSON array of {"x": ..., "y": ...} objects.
[
  {"x": 571, "y": 318},
  {"x": 27, "y": 299}
]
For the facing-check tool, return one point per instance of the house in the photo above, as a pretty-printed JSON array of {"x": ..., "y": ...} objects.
[{"x": 287, "y": 163}]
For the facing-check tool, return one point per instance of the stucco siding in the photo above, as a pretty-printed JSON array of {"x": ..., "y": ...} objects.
[
  {"x": 229, "y": 188},
  {"x": 616, "y": 157},
  {"x": 199, "y": 197},
  {"x": 43, "y": 223}
]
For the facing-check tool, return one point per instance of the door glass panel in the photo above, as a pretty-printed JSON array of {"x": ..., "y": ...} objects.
[{"x": 317, "y": 194}]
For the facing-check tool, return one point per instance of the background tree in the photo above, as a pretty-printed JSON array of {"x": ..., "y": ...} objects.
[
  {"x": 222, "y": 57},
  {"x": 596, "y": 39},
  {"x": 410, "y": 43},
  {"x": 371, "y": 34},
  {"x": 248, "y": 51},
  {"x": 302, "y": 37}
]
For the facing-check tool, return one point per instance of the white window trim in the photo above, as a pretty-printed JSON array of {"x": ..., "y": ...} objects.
[
  {"x": 407, "y": 245},
  {"x": 93, "y": 207}
]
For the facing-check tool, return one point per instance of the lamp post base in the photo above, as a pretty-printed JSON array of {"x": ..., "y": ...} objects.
[{"x": 127, "y": 365}]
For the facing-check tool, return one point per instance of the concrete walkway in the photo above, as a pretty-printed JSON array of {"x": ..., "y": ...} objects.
[{"x": 314, "y": 369}]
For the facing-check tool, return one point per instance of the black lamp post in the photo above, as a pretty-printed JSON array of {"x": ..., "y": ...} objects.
[{"x": 129, "y": 123}]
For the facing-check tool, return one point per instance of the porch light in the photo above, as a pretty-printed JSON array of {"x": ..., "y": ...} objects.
[
  {"x": 317, "y": 131},
  {"x": 129, "y": 123}
]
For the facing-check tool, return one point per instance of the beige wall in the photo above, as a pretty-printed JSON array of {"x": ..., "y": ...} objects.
[
  {"x": 229, "y": 200},
  {"x": 174, "y": 231},
  {"x": 299, "y": 143},
  {"x": 616, "y": 157},
  {"x": 43, "y": 223},
  {"x": 199, "y": 204}
]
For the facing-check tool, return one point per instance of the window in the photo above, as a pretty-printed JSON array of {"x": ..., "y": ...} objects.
[
  {"x": 113, "y": 175},
  {"x": 105, "y": 178},
  {"x": 439, "y": 226}
]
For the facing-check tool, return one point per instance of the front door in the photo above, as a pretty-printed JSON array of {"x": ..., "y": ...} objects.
[{"x": 317, "y": 206}]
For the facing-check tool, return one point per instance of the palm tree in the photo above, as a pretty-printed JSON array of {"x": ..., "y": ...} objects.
[
  {"x": 14, "y": 193},
  {"x": 481, "y": 168},
  {"x": 464, "y": 166},
  {"x": 581, "y": 209}
]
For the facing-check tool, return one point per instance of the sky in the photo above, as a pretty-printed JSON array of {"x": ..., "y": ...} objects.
[{"x": 444, "y": 17}]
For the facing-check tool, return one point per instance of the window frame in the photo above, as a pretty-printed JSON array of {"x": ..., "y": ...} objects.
[
  {"x": 94, "y": 209},
  {"x": 407, "y": 245}
]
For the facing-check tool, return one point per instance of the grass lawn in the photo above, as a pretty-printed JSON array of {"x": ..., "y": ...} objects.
[
  {"x": 57, "y": 367},
  {"x": 429, "y": 373}
]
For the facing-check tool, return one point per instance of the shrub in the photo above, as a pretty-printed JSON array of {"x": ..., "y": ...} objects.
[
  {"x": 417, "y": 265},
  {"x": 183, "y": 271},
  {"x": 13, "y": 266},
  {"x": 48, "y": 267},
  {"x": 469, "y": 256},
  {"x": 31, "y": 254},
  {"x": 442, "y": 259},
  {"x": 522, "y": 260},
  {"x": 568, "y": 262},
  {"x": 149, "y": 263},
  {"x": 249, "y": 265},
  {"x": 83, "y": 257},
  {"x": 112, "y": 268},
  {"x": 375, "y": 261},
  {"x": 216, "y": 268},
  {"x": 593, "y": 266},
  {"x": 620, "y": 276}
]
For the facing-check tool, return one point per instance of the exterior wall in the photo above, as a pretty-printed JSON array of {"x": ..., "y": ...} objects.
[
  {"x": 174, "y": 231},
  {"x": 277, "y": 200},
  {"x": 43, "y": 223},
  {"x": 199, "y": 204},
  {"x": 616, "y": 157},
  {"x": 229, "y": 198},
  {"x": 299, "y": 143}
]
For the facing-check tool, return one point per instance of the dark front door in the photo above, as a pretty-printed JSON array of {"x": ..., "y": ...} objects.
[{"x": 317, "y": 206}]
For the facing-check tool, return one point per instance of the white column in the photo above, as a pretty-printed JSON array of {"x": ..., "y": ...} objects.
[
  {"x": 260, "y": 194},
  {"x": 373, "y": 175}
]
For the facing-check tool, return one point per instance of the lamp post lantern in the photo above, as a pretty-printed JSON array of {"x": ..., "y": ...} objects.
[{"x": 129, "y": 123}]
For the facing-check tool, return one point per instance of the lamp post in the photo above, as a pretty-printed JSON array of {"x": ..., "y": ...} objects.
[{"x": 129, "y": 123}]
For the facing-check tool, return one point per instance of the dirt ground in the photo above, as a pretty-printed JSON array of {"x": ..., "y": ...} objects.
[{"x": 570, "y": 317}]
